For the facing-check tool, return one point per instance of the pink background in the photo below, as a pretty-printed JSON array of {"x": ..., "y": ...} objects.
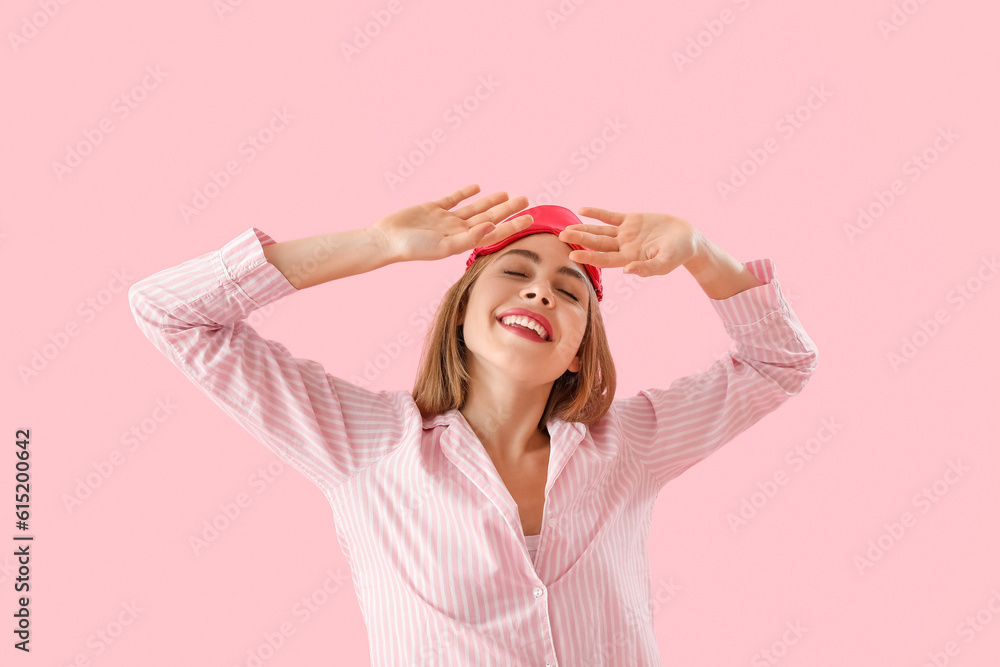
[{"x": 72, "y": 241}]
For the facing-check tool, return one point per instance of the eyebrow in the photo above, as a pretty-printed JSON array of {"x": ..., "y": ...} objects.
[{"x": 533, "y": 256}]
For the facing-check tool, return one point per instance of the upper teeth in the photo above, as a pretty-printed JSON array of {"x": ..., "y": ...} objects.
[{"x": 526, "y": 322}]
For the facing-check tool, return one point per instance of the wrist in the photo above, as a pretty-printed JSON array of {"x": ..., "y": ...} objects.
[
  {"x": 702, "y": 255},
  {"x": 378, "y": 240}
]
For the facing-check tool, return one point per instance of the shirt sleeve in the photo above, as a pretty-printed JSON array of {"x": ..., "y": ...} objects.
[
  {"x": 194, "y": 313},
  {"x": 670, "y": 430}
]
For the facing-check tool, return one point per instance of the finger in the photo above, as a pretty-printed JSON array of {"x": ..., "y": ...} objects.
[
  {"x": 464, "y": 241},
  {"x": 484, "y": 204},
  {"x": 657, "y": 266},
  {"x": 591, "y": 241},
  {"x": 502, "y": 212},
  {"x": 481, "y": 235},
  {"x": 602, "y": 214},
  {"x": 448, "y": 201},
  {"x": 604, "y": 260},
  {"x": 605, "y": 230},
  {"x": 588, "y": 231},
  {"x": 506, "y": 229}
]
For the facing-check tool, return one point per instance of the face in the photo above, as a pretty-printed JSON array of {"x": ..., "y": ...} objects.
[{"x": 545, "y": 288}]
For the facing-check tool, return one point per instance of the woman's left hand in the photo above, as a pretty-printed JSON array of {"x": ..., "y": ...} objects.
[{"x": 646, "y": 244}]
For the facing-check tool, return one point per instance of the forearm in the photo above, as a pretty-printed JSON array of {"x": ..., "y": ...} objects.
[
  {"x": 319, "y": 259},
  {"x": 718, "y": 273}
]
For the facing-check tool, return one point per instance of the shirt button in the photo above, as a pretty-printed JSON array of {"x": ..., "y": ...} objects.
[
  {"x": 538, "y": 592},
  {"x": 553, "y": 521}
]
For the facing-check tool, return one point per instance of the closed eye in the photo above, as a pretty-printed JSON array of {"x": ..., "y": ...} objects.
[{"x": 569, "y": 294}]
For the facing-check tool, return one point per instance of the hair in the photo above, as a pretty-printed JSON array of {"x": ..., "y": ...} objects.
[{"x": 442, "y": 381}]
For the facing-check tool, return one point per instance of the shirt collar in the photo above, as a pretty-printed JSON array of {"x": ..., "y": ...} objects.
[
  {"x": 564, "y": 439},
  {"x": 554, "y": 425}
]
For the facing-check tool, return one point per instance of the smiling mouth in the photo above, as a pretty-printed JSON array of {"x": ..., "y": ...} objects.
[{"x": 527, "y": 330}]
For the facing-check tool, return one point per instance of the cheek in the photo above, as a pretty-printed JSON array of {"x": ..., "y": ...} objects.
[
  {"x": 580, "y": 334},
  {"x": 570, "y": 344}
]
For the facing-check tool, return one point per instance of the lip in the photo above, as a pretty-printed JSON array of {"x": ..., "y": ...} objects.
[{"x": 527, "y": 313}]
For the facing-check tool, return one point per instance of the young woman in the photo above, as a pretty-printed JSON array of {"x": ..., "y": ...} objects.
[{"x": 498, "y": 514}]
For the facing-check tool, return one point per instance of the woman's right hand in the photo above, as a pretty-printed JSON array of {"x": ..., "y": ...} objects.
[{"x": 433, "y": 231}]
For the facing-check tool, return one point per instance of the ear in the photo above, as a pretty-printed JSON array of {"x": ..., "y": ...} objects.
[{"x": 574, "y": 366}]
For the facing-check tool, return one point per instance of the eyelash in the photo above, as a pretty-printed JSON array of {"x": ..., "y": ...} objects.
[{"x": 569, "y": 294}]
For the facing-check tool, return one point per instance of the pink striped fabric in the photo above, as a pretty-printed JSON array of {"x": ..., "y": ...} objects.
[{"x": 433, "y": 538}]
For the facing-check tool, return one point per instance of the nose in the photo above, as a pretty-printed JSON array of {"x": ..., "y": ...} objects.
[{"x": 538, "y": 289}]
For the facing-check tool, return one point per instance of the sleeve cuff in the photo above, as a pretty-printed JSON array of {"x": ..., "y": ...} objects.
[
  {"x": 243, "y": 263},
  {"x": 754, "y": 304}
]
